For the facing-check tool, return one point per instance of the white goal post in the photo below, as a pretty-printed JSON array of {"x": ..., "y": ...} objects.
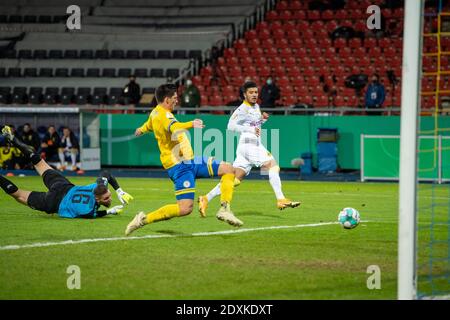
[{"x": 411, "y": 72}]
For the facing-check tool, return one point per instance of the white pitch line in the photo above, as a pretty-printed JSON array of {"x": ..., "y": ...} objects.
[{"x": 156, "y": 236}]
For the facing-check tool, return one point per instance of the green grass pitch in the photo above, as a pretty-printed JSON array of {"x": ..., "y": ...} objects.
[{"x": 312, "y": 262}]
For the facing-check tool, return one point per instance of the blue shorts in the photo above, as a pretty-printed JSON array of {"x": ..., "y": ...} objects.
[{"x": 183, "y": 175}]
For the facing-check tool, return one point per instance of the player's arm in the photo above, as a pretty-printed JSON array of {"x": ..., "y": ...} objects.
[
  {"x": 112, "y": 211},
  {"x": 146, "y": 127},
  {"x": 106, "y": 177},
  {"x": 237, "y": 121},
  {"x": 175, "y": 126}
]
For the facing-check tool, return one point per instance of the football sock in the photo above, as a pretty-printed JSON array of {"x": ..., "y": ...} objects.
[
  {"x": 275, "y": 181},
  {"x": 61, "y": 158},
  {"x": 7, "y": 185},
  {"x": 164, "y": 213},
  {"x": 226, "y": 188},
  {"x": 73, "y": 157},
  {"x": 35, "y": 159},
  {"x": 214, "y": 192}
]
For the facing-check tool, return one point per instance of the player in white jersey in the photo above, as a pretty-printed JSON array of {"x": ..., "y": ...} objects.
[{"x": 247, "y": 120}]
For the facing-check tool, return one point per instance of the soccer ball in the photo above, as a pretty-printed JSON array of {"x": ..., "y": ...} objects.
[{"x": 349, "y": 218}]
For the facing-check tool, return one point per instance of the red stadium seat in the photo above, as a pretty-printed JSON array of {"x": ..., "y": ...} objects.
[
  {"x": 242, "y": 53},
  {"x": 285, "y": 15},
  {"x": 297, "y": 81},
  {"x": 321, "y": 102},
  {"x": 251, "y": 34},
  {"x": 290, "y": 62},
  {"x": 313, "y": 15},
  {"x": 327, "y": 15},
  {"x": 265, "y": 71},
  {"x": 272, "y": 15},
  {"x": 254, "y": 43},
  {"x": 240, "y": 44}
]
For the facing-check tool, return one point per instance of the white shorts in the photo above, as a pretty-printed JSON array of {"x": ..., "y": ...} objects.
[{"x": 249, "y": 156}]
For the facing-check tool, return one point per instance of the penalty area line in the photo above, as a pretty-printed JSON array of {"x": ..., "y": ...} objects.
[{"x": 158, "y": 236}]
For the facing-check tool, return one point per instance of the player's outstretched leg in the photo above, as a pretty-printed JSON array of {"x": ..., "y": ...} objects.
[
  {"x": 275, "y": 182},
  {"x": 215, "y": 192},
  {"x": 182, "y": 208},
  {"x": 12, "y": 190},
  {"x": 226, "y": 195}
]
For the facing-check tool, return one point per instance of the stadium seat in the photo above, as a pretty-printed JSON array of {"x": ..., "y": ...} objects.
[
  {"x": 124, "y": 72},
  {"x": 157, "y": 73},
  {"x": 173, "y": 73},
  {"x": 55, "y": 54},
  {"x": 51, "y": 95},
  {"x": 179, "y": 54},
  {"x": 67, "y": 95},
  {"x": 163, "y": 54},
  {"x": 30, "y": 72},
  {"x": 93, "y": 72},
  {"x": 45, "y": 19},
  {"x": 70, "y": 54},
  {"x": 19, "y": 95},
  {"x": 46, "y": 72},
  {"x": 101, "y": 54},
  {"x": 195, "y": 54},
  {"x": 61, "y": 72},
  {"x": 86, "y": 54},
  {"x": 109, "y": 72},
  {"x": 141, "y": 73},
  {"x": 24, "y": 54},
  {"x": 117, "y": 54},
  {"x": 148, "y": 54},
  {"x": 40, "y": 54},
  {"x": 99, "y": 95},
  {"x": 114, "y": 96},
  {"x": 5, "y": 95},
  {"x": 82, "y": 95},
  {"x": 35, "y": 95},
  {"x": 133, "y": 54},
  {"x": 77, "y": 72}
]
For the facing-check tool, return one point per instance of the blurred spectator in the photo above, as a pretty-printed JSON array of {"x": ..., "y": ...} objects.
[
  {"x": 30, "y": 137},
  {"x": 69, "y": 147},
  {"x": 50, "y": 144},
  {"x": 190, "y": 98},
  {"x": 269, "y": 94},
  {"x": 375, "y": 95},
  {"x": 131, "y": 94},
  {"x": 8, "y": 157}
]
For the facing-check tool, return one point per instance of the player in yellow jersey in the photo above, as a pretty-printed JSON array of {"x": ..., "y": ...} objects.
[{"x": 182, "y": 167}]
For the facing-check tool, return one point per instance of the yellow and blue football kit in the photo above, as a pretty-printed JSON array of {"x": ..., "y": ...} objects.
[{"x": 177, "y": 156}]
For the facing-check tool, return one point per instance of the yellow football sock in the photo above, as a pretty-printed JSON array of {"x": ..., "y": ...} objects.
[
  {"x": 164, "y": 213},
  {"x": 226, "y": 187}
]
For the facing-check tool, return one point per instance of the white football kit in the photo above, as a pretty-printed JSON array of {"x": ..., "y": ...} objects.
[{"x": 250, "y": 151}]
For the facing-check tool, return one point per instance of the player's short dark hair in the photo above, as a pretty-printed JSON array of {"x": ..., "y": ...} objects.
[
  {"x": 248, "y": 85},
  {"x": 100, "y": 190},
  {"x": 165, "y": 91}
]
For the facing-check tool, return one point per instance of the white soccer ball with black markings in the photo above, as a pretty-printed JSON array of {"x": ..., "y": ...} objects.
[{"x": 349, "y": 218}]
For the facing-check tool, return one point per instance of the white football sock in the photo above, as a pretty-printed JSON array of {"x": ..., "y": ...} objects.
[
  {"x": 214, "y": 192},
  {"x": 73, "y": 156},
  {"x": 61, "y": 158},
  {"x": 275, "y": 182}
]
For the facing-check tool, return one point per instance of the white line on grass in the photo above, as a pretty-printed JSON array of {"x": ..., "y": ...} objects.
[{"x": 157, "y": 236}]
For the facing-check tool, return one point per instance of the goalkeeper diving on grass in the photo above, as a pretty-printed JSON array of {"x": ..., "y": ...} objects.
[
  {"x": 177, "y": 157},
  {"x": 63, "y": 197}
]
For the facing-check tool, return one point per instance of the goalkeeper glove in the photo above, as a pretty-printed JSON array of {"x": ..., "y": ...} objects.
[
  {"x": 124, "y": 197},
  {"x": 115, "y": 210}
]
